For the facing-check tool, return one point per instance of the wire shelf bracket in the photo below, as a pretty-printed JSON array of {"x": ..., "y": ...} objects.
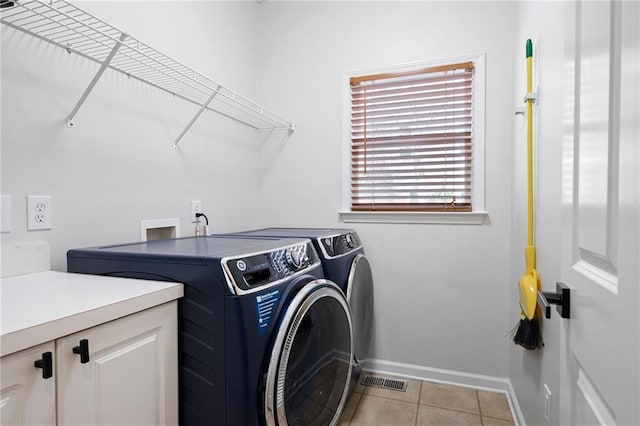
[
  {"x": 193, "y": 120},
  {"x": 67, "y": 26},
  {"x": 95, "y": 79}
]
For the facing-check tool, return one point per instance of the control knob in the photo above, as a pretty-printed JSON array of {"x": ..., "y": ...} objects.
[{"x": 295, "y": 259}]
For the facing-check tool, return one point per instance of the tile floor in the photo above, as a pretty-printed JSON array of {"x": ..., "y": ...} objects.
[{"x": 426, "y": 403}]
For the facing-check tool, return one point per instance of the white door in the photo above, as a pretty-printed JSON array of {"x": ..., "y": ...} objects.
[
  {"x": 600, "y": 381},
  {"x": 27, "y": 397},
  {"x": 130, "y": 376}
]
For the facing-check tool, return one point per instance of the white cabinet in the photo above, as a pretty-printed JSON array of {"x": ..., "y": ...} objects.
[
  {"x": 129, "y": 327},
  {"x": 129, "y": 378},
  {"x": 25, "y": 397}
]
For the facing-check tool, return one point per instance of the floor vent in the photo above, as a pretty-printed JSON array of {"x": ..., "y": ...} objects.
[{"x": 381, "y": 382}]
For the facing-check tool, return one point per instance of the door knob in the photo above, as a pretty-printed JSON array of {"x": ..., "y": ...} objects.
[{"x": 561, "y": 298}]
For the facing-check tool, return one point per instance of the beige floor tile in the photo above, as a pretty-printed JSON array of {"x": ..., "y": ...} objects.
[
  {"x": 494, "y": 404},
  {"x": 433, "y": 416},
  {"x": 350, "y": 409},
  {"x": 373, "y": 410},
  {"x": 411, "y": 394},
  {"x": 451, "y": 397},
  {"x": 488, "y": 421}
]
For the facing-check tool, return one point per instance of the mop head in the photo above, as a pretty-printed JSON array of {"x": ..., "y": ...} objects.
[{"x": 528, "y": 334}]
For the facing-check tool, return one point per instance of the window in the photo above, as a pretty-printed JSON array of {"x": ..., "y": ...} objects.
[{"x": 415, "y": 139}]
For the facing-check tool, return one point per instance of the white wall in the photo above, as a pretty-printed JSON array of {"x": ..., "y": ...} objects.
[
  {"x": 442, "y": 292},
  {"x": 117, "y": 166},
  {"x": 543, "y": 22}
]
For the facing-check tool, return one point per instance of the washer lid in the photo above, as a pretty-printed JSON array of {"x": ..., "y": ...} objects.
[{"x": 360, "y": 298}]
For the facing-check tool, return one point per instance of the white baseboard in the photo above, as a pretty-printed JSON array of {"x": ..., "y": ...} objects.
[{"x": 450, "y": 377}]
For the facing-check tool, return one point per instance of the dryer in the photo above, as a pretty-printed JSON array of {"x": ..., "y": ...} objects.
[
  {"x": 264, "y": 338},
  {"x": 344, "y": 262}
]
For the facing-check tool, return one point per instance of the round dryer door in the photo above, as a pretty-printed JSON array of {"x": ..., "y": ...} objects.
[
  {"x": 309, "y": 368},
  {"x": 360, "y": 298}
]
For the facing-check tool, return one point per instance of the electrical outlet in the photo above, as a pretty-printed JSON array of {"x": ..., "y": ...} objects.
[
  {"x": 547, "y": 404},
  {"x": 196, "y": 207},
  {"x": 39, "y": 212}
]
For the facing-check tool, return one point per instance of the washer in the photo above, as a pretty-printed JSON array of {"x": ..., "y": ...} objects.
[
  {"x": 344, "y": 263},
  {"x": 264, "y": 338}
]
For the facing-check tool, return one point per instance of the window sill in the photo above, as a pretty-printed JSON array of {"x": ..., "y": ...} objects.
[{"x": 444, "y": 218}]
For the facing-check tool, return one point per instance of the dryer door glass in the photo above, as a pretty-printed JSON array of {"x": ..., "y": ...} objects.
[{"x": 314, "y": 363}]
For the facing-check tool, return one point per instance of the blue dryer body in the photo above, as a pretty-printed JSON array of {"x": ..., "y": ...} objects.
[{"x": 226, "y": 333}]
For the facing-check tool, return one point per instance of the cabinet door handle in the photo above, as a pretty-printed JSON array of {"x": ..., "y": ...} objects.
[
  {"x": 46, "y": 363},
  {"x": 83, "y": 350}
]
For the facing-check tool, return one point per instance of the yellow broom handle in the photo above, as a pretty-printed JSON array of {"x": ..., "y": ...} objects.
[{"x": 529, "y": 145}]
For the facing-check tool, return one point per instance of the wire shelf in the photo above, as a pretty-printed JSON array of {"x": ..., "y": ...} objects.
[{"x": 71, "y": 28}]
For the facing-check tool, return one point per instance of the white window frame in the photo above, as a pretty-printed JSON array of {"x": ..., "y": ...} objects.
[{"x": 477, "y": 214}]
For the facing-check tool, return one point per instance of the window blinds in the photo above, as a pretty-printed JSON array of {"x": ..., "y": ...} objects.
[{"x": 411, "y": 135}]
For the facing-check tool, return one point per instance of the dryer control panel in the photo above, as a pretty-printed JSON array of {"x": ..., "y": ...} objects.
[
  {"x": 251, "y": 273},
  {"x": 338, "y": 245}
]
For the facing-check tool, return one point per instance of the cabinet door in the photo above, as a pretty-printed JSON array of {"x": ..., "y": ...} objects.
[
  {"x": 26, "y": 398},
  {"x": 130, "y": 377}
]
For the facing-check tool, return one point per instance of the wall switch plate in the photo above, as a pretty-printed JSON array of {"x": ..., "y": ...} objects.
[
  {"x": 5, "y": 213},
  {"x": 547, "y": 404},
  {"x": 39, "y": 212},
  {"x": 196, "y": 207}
]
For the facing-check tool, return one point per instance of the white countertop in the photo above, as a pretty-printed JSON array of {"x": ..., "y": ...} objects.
[{"x": 43, "y": 306}]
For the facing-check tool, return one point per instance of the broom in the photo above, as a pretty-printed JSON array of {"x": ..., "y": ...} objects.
[{"x": 528, "y": 333}]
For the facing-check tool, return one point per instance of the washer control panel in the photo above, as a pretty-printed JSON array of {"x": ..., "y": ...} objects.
[
  {"x": 338, "y": 245},
  {"x": 259, "y": 270}
]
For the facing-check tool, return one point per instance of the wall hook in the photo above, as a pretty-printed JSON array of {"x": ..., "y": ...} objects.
[
  {"x": 561, "y": 298},
  {"x": 531, "y": 96}
]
